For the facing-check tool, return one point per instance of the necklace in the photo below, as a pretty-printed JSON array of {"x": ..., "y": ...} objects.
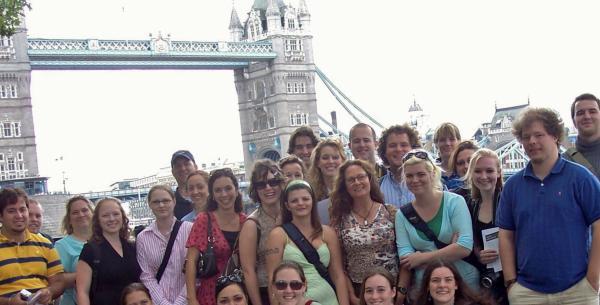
[
  {"x": 269, "y": 215},
  {"x": 366, "y": 217}
]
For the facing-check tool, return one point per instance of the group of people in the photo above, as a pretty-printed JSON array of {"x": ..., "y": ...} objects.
[{"x": 331, "y": 231}]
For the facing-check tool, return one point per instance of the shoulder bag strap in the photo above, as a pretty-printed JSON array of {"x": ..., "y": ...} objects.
[
  {"x": 579, "y": 158},
  {"x": 409, "y": 212},
  {"x": 308, "y": 251},
  {"x": 167, "y": 255}
]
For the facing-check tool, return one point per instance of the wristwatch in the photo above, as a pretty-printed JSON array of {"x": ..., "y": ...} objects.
[
  {"x": 402, "y": 290},
  {"x": 509, "y": 282}
]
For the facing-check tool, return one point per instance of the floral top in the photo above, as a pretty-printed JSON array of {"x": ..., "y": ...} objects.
[
  {"x": 265, "y": 224},
  {"x": 371, "y": 246}
]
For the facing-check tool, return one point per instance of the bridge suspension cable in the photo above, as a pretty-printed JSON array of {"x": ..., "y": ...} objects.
[{"x": 335, "y": 91}]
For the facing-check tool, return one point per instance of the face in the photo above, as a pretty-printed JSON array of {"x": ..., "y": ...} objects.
[
  {"x": 357, "y": 182},
  {"x": 285, "y": 282},
  {"x": 418, "y": 179},
  {"x": 80, "y": 215},
  {"x": 14, "y": 218},
  {"x": 539, "y": 144},
  {"x": 35, "y": 218},
  {"x": 446, "y": 145},
  {"x": 197, "y": 188},
  {"x": 378, "y": 291},
  {"x": 485, "y": 174},
  {"x": 270, "y": 195},
  {"x": 442, "y": 286},
  {"x": 396, "y": 147},
  {"x": 162, "y": 204},
  {"x": 362, "y": 144},
  {"x": 138, "y": 298},
  {"x": 462, "y": 161},
  {"x": 299, "y": 202},
  {"x": 303, "y": 147},
  {"x": 110, "y": 217},
  {"x": 182, "y": 168},
  {"x": 224, "y": 193},
  {"x": 329, "y": 161},
  {"x": 231, "y": 294},
  {"x": 292, "y": 171},
  {"x": 587, "y": 118}
]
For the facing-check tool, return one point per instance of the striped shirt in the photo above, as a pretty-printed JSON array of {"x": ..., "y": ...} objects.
[
  {"x": 27, "y": 265},
  {"x": 395, "y": 193},
  {"x": 151, "y": 246}
]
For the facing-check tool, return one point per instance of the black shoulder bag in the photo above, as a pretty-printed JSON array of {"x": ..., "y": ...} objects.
[
  {"x": 409, "y": 212},
  {"x": 167, "y": 255},
  {"x": 308, "y": 251},
  {"x": 206, "y": 266}
]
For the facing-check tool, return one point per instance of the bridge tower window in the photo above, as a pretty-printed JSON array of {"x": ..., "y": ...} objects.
[
  {"x": 8, "y": 90},
  {"x": 20, "y": 156},
  {"x": 17, "y": 129},
  {"x": 7, "y": 130}
]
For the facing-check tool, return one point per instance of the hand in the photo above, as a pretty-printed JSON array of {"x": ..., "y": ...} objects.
[
  {"x": 399, "y": 298},
  {"x": 45, "y": 297},
  {"x": 487, "y": 256},
  {"x": 414, "y": 260},
  {"x": 354, "y": 300}
]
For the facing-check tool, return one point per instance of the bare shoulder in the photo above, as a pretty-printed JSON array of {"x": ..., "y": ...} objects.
[{"x": 328, "y": 233}]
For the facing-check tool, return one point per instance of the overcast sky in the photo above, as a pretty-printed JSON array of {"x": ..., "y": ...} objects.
[{"x": 458, "y": 58}]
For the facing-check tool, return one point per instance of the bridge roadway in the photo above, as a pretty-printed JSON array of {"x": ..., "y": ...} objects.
[{"x": 156, "y": 53}]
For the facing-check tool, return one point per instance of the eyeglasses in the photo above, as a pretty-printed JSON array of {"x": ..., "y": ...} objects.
[
  {"x": 271, "y": 182},
  {"x": 235, "y": 277},
  {"x": 294, "y": 285},
  {"x": 358, "y": 178},
  {"x": 421, "y": 154}
]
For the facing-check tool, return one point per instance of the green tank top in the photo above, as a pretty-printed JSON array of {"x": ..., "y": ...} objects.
[{"x": 435, "y": 224}]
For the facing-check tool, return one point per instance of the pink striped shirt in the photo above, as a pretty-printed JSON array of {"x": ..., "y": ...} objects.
[{"x": 151, "y": 246}]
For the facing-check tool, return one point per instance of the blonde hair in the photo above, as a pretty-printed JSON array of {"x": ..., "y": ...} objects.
[
  {"x": 429, "y": 166},
  {"x": 480, "y": 154},
  {"x": 314, "y": 176}
]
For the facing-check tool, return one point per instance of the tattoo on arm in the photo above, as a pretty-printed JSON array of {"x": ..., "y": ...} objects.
[{"x": 272, "y": 251}]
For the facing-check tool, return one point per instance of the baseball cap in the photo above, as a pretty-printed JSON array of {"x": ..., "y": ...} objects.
[{"x": 182, "y": 154}]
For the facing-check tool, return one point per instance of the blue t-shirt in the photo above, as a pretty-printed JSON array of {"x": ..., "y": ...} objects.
[
  {"x": 550, "y": 219},
  {"x": 69, "y": 249}
]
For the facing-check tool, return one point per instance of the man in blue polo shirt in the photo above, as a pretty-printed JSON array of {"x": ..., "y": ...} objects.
[{"x": 544, "y": 216}]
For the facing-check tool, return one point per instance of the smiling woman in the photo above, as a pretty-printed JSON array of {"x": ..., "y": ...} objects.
[
  {"x": 364, "y": 224},
  {"x": 108, "y": 261}
]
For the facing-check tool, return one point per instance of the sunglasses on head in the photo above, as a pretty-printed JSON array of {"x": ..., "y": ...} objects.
[
  {"x": 421, "y": 154},
  {"x": 235, "y": 277},
  {"x": 294, "y": 285},
  {"x": 220, "y": 171},
  {"x": 273, "y": 182}
]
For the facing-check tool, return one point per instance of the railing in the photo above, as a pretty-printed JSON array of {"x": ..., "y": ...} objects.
[{"x": 37, "y": 45}]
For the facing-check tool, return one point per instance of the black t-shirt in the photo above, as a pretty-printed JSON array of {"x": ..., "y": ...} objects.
[
  {"x": 182, "y": 205},
  {"x": 114, "y": 272}
]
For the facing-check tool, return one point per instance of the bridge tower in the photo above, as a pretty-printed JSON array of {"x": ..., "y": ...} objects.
[
  {"x": 18, "y": 155},
  {"x": 275, "y": 97}
]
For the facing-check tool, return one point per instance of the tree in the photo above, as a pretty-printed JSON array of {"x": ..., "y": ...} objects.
[{"x": 10, "y": 13}]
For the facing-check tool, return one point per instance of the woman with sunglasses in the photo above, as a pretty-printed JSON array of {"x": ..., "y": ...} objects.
[
  {"x": 299, "y": 213},
  {"x": 378, "y": 288},
  {"x": 325, "y": 160},
  {"x": 365, "y": 225},
  {"x": 485, "y": 180},
  {"x": 289, "y": 284},
  {"x": 443, "y": 214},
  {"x": 196, "y": 185},
  {"x": 266, "y": 184},
  {"x": 230, "y": 290},
  {"x": 224, "y": 209},
  {"x": 108, "y": 261}
]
